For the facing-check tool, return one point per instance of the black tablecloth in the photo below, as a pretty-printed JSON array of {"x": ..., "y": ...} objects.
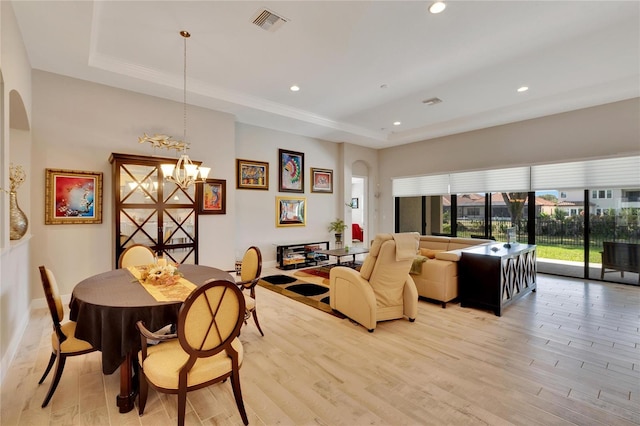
[{"x": 107, "y": 306}]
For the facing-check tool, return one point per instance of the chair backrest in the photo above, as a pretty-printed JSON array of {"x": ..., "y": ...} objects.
[
  {"x": 136, "y": 255},
  {"x": 383, "y": 269},
  {"x": 251, "y": 264},
  {"x": 51, "y": 294},
  {"x": 210, "y": 319}
]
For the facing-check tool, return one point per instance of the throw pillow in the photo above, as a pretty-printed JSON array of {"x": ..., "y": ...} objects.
[{"x": 430, "y": 253}]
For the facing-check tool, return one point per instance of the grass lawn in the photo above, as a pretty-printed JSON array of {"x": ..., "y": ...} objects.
[{"x": 571, "y": 253}]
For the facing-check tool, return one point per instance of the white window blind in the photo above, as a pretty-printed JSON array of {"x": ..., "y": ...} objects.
[
  {"x": 605, "y": 173},
  {"x": 417, "y": 186},
  {"x": 498, "y": 180}
]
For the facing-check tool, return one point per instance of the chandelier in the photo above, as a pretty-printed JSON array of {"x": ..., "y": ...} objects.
[{"x": 183, "y": 173}]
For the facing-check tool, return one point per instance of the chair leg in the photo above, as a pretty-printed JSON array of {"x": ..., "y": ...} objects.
[
  {"x": 56, "y": 379},
  {"x": 182, "y": 406},
  {"x": 143, "y": 391},
  {"x": 46, "y": 372},
  {"x": 237, "y": 393},
  {"x": 255, "y": 319}
]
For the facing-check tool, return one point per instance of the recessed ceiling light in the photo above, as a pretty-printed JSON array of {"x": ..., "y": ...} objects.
[
  {"x": 294, "y": 88},
  {"x": 437, "y": 7},
  {"x": 523, "y": 89},
  {"x": 397, "y": 123}
]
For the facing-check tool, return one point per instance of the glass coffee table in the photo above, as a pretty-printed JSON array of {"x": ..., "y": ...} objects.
[{"x": 343, "y": 252}]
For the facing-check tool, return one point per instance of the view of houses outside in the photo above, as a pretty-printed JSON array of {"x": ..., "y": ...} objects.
[{"x": 613, "y": 215}]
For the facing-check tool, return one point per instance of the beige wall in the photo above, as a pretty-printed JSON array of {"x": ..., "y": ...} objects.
[{"x": 602, "y": 131}]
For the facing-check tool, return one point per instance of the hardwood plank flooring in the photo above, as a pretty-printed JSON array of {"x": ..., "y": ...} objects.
[{"x": 568, "y": 354}]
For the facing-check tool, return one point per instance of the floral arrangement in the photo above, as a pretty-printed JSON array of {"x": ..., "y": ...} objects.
[
  {"x": 159, "y": 274},
  {"x": 16, "y": 176}
]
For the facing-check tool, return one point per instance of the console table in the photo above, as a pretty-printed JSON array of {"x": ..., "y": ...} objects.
[
  {"x": 297, "y": 255},
  {"x": 493, "y": 276}
]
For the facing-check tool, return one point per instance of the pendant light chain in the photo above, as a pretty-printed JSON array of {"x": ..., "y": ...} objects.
[
  {"x": 183, "y": 173},
  {"x": 185, "y": 35}
]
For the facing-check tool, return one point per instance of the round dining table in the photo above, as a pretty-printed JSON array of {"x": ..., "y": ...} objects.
[{"x": 106, "y": 308}]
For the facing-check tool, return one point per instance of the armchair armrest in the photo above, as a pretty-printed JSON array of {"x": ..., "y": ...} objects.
[
  {"x": 146, "y": 335},
  {"x": 353, "y": 296},
  {"x": 410, "y": 298}
]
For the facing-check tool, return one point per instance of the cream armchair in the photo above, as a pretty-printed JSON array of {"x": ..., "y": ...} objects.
[{"x": 383, "y": 289}]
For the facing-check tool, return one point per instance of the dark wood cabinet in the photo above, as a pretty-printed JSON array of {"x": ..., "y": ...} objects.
[
  {"x": 493, "y": 276},
  {"x": 151, "y": 211}
]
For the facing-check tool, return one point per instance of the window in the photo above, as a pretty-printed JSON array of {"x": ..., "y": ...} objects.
[
  {"x": 601, "y": 194},
  {"x": 594, "y": 194},
  {"x": 608, "y": 193}
]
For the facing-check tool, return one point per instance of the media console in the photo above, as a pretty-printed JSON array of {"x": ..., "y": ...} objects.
[{"x": 299, "y": 255}]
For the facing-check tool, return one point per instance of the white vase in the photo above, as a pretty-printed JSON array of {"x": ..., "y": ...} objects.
[{"x": 17, "y": 219}]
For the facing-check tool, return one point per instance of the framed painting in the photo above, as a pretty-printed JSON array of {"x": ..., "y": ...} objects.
[
  {"x": 322, "y": 180},
  {"x": 252, "y": 174},
  {"x": 291, "y": 173},
  {"x": 211, "y": 196},
  {"x": 72, "y": 197},
  {"x": 291, "y": 211}
]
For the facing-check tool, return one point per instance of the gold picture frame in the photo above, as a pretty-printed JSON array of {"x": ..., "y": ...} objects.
[
  {"x": 291, "y": 211},
  {"x": 72, "y": 197}
]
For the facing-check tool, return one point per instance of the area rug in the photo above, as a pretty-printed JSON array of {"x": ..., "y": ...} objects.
[{"x": 315, "y": 295}]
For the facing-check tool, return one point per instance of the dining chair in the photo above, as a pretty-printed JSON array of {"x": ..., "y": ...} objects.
[
  {"x": 250, "y": 271},
  {"x": 136, "y": 254},
  {"x": 64, "y": 343},
  {"x": 205, "y": 350}
]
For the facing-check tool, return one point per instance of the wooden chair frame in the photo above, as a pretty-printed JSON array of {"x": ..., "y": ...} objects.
[
  {"x": 250, "y": 285},
  {"x": 195, "y": 353},
  {"x": 56, "y": 310}
]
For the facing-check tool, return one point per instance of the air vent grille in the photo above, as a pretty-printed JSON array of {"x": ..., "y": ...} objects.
[{"x": 268, "y": 20}]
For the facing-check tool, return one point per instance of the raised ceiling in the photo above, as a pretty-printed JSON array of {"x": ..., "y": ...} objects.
[{"x": 361, "y": 65}]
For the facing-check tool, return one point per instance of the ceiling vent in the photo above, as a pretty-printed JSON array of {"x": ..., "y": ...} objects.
[
  {"x": 268, "y": 20},
  {"x": 432, "y": 101}
]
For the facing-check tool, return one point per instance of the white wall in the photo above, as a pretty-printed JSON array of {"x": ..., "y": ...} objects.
[
  {"x": 77, "y": 125},
  {"x": 602, "y": 131},
  {"x": 256, "y": 217},
  {"x": 15, "y": 77}
]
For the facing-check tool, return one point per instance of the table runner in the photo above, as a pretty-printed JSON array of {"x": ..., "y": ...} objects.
[{"x": 164, "y": 293}]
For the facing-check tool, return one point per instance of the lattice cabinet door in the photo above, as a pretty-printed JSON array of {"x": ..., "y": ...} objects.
[{"x": 150, "y": 211}]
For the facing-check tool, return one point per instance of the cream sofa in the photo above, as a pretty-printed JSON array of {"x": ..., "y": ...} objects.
[{"x": 438, "y": 276}]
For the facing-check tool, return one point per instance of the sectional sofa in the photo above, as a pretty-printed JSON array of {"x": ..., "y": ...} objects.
[{"x": 436, "y": 277}]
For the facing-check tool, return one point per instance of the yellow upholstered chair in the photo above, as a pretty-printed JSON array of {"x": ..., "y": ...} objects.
[
  {"x": 64, "y": 343},
  {"x": 382, "y": 289},
  {"x": 205, "y": 350},
  {"x": 136, "y": 255},
  {"x": 249, "y": 276}
]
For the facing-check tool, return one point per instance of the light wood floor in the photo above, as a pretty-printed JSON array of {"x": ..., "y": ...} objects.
[{"x": 568, "y": 354}]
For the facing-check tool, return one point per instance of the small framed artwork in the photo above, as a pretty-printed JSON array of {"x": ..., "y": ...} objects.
[
  {"x": 72, "y": 197},
  {"x": 291, "y": 211},
  {"x": 252, "y": 174},
  {"x": 355, "y": 204},
  {"x": 291, "y": 173},
  {"x": 212, "y": 196},
  {"x": 322, "y": 180}
]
